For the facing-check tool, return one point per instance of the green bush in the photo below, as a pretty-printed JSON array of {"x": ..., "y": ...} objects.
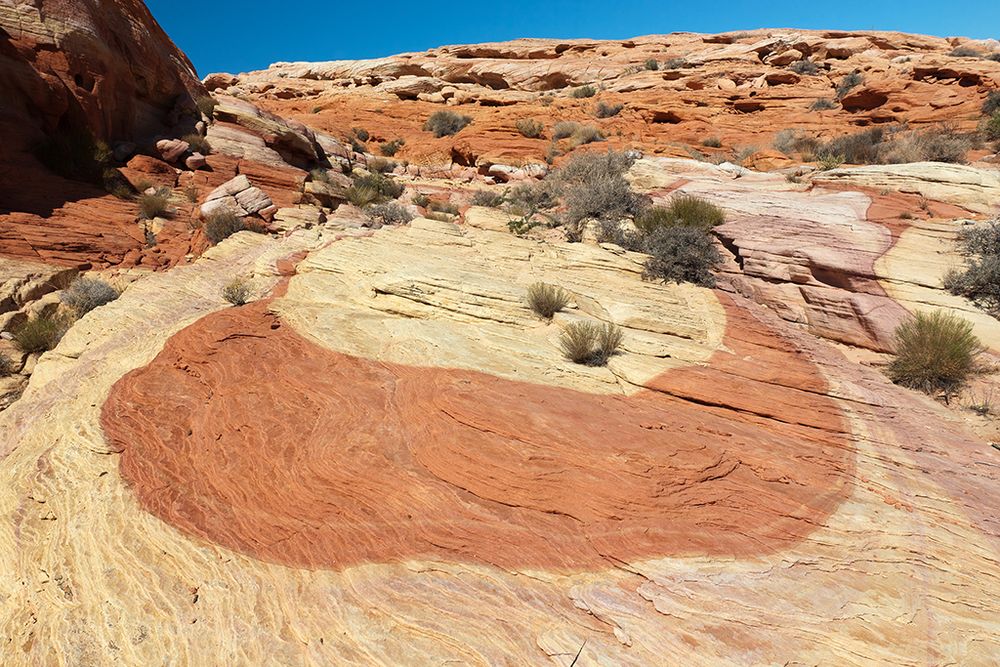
[
  {"x": 362, "y": 195},
  {"x": 206, "y": 105},
  {"x": 85, "y": 294},
  {"x": 386, "y": 187},
  {"x": 605, "y": 110},
  {"x": 828, "y": 161},
  {"x": 675, "y": 63},
  {"x": 547, "y": 300},
  {"x": 487, "y": 198},
  {"x": 530, "y": 128},
  {"x": 446, "y": 123},
  {"x": 684, "y": 210},
  {"x": 152, "y": 205},
  {"x": 979, "y": 281},
  {"x": 381, "y": 165},
  {"x": 651, "y": 65},
  {"x": 443, "y": 207},
  {"x": 390, "y": 148},
  {"x": 590, "y": 344},
  {"x": 991, "y": 128},
  {"x": 198, "y": 143},
  {"x": 41, "y": 334},
  {"x": 223, "y": 224},
  {"x": 583, "y": 92},
  {"x": 237, "y": 291},
  {"x": 935, "y": 353},
  {"x": 679, "y": 253},
  {"x": 879, "y": 145}
]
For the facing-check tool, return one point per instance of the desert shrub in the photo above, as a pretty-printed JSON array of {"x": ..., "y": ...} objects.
[
  {"x": 594, "y": 186},
  {"x": 991, "y": 128},
  {"x": 529, "y": 201},
  {"x": 41, "y": 334},
  {"x": 438, "y": 215},
  {"x": 936, "y": 144},
  {"x": 7, "y": 366},
  {"x": 995, "y": 57},
  {"x": 547, "y": 300},
  {"x": 206, "y": 105},
  {"x": 711, "y": 142},
  {"x": 675, "y": 63},
  {"x": 651, "y": 65},
  {"x": 390, "y": 148},
  {"x": 979, "y": 281},
  {"x": 822, "y": 104},
  {"x": 679, "y": 253},
  {"x": 223, "y": 224},
  {"x": 790, "y": 141},
  {"x": 828, "y": 161},
  {"x": 965, "y": 52},
  {"x": 85, "y": 294},
  {"x": 487, "y": 198},
  {"x": 237, "y": 291},
  {"x": 443, "y": 207},
  {"x": 383, "y": 185},
  {"x": 849, "y": 83},
  {"x": 390, "y": 213},
  {"x": 74, "y": 155},
  {"x": 586, "y": 134},
  {"x": 583, "y": 92},
  {"x": 605, "y": 110},
  {"x": 381, "y": 165},
  {"x": 935, "y": 353},
  {"x": 320, "y": 175},
  {"x": 992, "y": 103},
  {"x": 360, "y": 133},
  {"x": 446, "y": 123},
  {"x": 528, "y": 127},
  {"x": 804, "y": 66},
  {"x": 589, "y": 343},
  {"x": 744, "y": 153},
  {"x": 564, "y": 129},
  {"x": 858, "y": 148},
  {"x": 362, "y": 195},
  {"x": 684, "y": 210},
  {"x": 422, "y": 200},
  {"x": 154, "y": 204},
  {"x": 198, "y": 143}
]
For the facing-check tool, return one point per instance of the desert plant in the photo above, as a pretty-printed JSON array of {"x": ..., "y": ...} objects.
[
  {"x": 828, "y": 161},
  {"x": 586, "y": 134},
  {"x": 979, "y": 281},
  {"x": 381, "y": 165},
  {"x": 362, "y": 195},
  {"x": 651, "y": 65},
  {"x": 384, "y": 186},
  {"x": 804, "y": 66},
  {"x": 937, "y": 144},
  {"x": 680, "y": 253},
  {"x": 992, "y": 103},
  {"x": 42, "y": 333},
  {"x": 528, "y": 202},
  {"x": 859, "y": 148},
  {"x": 683, "y": 210},
  {"x": 822, "y": 104},
  {"x": 487, "y": 198},
  {"x": 594, "y": 186},
  {"x": 390, "y": 148},
  {"x": 790, "y": 141},
  {"x": 360, "y": 134},
  {"x": 421, "y": 200},
  {"x": 237, "y": 291},
  {"x": 583, "y": 92},
  {"x": 443, "y": 207},
  {"x": 390, "y": 213},
  {"x": 711, "y": 142},
  {"x": 675, "y": 63},
  {"x": 74, "y": 155},
  {"x": 589, "y": 343},
  {"x": 605, "y": 110},
  {"x": 991, "y": 128},
  {"x": 197, "y": 143},
  {"x": 547, "y": 300},
  {"x": 446, "y": 123},
  {"x": 154, "y": 204},
  {"x": 7, "y": 366},
  {"x": 564, "y": 129},
  {"x": 530, "y": 128},
  {"x": 995, "y": 57},
  {"x": 935, "y": 353},
  {"x": 191, "y": 193},
  {"x": 85, "y": 294},
  {"x": 743, "y": 153},
  {"x": 223, "y": 224},
  {"x": 849, "y": 83},
  {"x": 206, "y": 105},
  {"x": 965, "y": 52}
]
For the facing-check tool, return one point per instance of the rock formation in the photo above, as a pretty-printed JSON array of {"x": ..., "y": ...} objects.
[{"x": 385, "y": 458}]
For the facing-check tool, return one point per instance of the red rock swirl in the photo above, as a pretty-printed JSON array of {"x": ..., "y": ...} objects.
[{"x": 244, "y": 434}]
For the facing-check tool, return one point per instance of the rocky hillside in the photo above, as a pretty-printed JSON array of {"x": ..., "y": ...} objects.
[{"x": 289, "y": 400}]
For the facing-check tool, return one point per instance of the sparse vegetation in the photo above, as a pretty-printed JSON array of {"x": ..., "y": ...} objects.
[
  {"x": 237, "y": 291},
  {"x": 935, "y": 353},
  {"x": 390, "y": 148},
  {"x": 965, "y": 52},
  {"x": 711, "y": 142},
  {"x": 790, "y": 141},
  {"x": 198, "y": 143},
  {"x": 586, "y": 134},
  {"x": 381, "y": 165},
  {"x": 651, "y": 65},
  {"x": 979, "y": 281},
  {"x": 362, "y": 195},
  {"x": 42, "y": 333},
  {"x": 564, "y": 129},
  {"x": 829, "y": 161},
  {"x": 154, "y": 204},
  {"x": 446, "y": 123},
  {"x": 384, "y": 186},
  {"x": 74, "y": 155},
  {"x": 390, "y": 213},
  {"x": 849, "y": 83},
  {"x": 589, "y": 343},
  {"x": 443, "y": 207},
  {"x": 223, "y": 224},
  {"x": 530, "y": 128},
  {"x": 594, "y": 187},
  {"x": 206, "y": 105},
  {"x": 583, "y": 92},
  {"x": 991, "y": 128},
  {"x": 675, "y": 63},
  {"x": 547, "y": 300},
  {"x": 805, "y": 67},
  {"x": 680, "y": 253},
  {"x": 896, "y": 145},
  {"x": 421, "y": 200},
  {"x": 487, "y": 198},
  {"x": 822, "y": 104},
  {"x": 683, "y": 210},
  {"x": 7, "y": 366},
  {"x": 992, "y": 103},
  {"x": 605, "y": 110},
  {"x": 85, "y": 294},
  {"x": 529, "y": 201}
]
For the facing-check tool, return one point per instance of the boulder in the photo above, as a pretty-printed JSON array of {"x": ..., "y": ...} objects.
[{"x": 172, "y": 149}]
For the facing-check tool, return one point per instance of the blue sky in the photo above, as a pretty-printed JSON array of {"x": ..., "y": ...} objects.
[{"x": 231, "y": 36}]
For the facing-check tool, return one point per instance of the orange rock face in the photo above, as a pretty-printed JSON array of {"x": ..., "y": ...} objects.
[
  {"x": 737, "y": 88},
  {"x": 317, "y": 459}
]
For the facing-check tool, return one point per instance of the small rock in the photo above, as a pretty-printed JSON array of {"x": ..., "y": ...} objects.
[
  {"x": 172, "y": 149},
  {"x": 195, "y": 161}
]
